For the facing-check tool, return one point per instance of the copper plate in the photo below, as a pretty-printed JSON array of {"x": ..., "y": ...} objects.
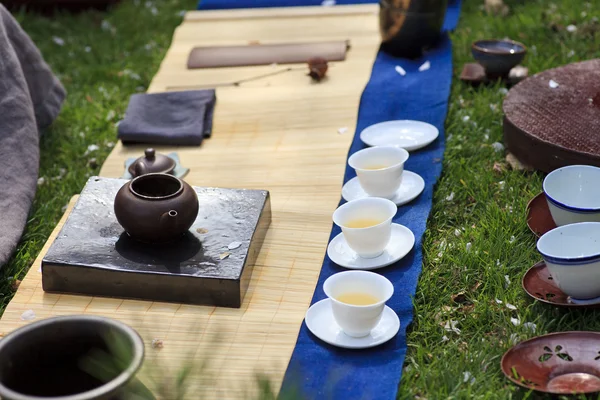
[
  {"x": 558, "y": 363},
  {"x": 539, "y": 219},
  {"x": 549, "y": 128},
  {"x": 538, "y": 283}
]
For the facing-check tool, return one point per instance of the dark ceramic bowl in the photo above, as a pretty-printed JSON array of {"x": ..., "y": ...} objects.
[
  {"x": 498, "y": 57},
  {"x": 51, "y": 359}
]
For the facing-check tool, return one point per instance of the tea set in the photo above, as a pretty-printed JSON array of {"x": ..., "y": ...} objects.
[
  {"x": 567, "y": 222},
  {"x": 354, "y": 315},
  {"x": 154, "y": 162},
  {"x": 155, "y": 206},
  {"x": 392, "y": 182},
  {"x": 496, "y": 59},
  {"x": 571, "y": 249}
]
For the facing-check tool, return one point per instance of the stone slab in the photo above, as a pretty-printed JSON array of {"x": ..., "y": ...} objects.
[{"x": 211, "y": 265}]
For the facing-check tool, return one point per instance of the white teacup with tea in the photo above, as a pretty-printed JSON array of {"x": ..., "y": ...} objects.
[
  {"x": 366, "y": 224},
  {"x": 357, "y": 300},
  {"x": 379, "y": 169}
]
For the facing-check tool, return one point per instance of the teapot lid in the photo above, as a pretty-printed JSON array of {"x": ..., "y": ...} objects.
[{"x": 152, "y": 162}]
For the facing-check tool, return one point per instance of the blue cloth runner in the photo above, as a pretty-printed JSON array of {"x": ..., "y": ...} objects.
[{"x": 321, "y": 371}]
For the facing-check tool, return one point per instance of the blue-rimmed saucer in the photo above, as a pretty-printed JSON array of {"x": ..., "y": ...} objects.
[{"x": 539, "y": 284}]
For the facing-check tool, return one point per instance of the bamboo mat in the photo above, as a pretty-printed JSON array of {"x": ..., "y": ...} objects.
[{"x": 279, "y": 133}]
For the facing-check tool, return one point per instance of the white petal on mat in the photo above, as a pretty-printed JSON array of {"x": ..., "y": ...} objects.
[
  {"x": 234, "y": 245},
  {"x": 553, "y": 84},
  {"x": 342, "y": 130},
  {"x": 28, "y": 315},
  {"x": 400, "y": 70},
  {"x": 426, "y": 65}
]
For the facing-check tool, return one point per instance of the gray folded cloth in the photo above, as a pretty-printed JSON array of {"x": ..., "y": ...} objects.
[
  {"x": 169, "y": 118},
  {"x": 30, "y": 99}
]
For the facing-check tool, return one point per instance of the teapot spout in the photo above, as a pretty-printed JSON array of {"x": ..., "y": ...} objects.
[{"x": 168, "y": 220}]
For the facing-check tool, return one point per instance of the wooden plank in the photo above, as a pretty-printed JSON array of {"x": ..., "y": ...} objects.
[{"x": 280, "y": 134}]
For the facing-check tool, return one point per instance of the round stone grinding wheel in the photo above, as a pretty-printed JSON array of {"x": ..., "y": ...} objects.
[{"x": 550, "y": 127}]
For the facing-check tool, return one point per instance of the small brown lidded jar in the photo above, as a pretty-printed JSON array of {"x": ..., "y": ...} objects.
[
  {"x": 156, "y": 208},
  {"x": 152, "y": 162}
]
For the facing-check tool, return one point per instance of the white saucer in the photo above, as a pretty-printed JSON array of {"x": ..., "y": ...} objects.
[
  {"x": 319, "y": 320},
  {"x": 408, "y": 134},
  {"x": 401, "y": 242},
  {"x": 412, "y": 185}
]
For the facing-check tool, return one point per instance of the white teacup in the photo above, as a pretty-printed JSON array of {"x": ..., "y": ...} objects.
[
  {"x": 379, "y": 169},
  {"x": 572, "y": 254},
  {"x": 573, "y": 194},
  {"x": 358, "y": 320},
  {"x": 366, "y": 224}
]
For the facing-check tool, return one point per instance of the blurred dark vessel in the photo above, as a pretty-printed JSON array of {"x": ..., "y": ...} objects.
[{"x": 410, "y": 26}]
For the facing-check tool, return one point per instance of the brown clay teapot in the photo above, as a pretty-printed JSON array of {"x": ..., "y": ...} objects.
[
  {"x": 156, "y": 208},
  {"x": 152, "y": 162}
]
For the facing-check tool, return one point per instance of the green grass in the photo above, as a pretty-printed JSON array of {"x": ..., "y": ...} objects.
[{"x": 486, "y": 210}]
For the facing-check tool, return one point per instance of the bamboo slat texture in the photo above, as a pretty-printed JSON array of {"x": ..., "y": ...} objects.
[{"x": 279, "y": 133}]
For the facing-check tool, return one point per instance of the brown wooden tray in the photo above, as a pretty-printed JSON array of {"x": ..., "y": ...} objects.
[
  {"x": 265, "y": 54},
  {"x": 549, "y": 128}
]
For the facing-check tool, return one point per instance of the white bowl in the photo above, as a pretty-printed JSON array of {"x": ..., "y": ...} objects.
[
  {"x": 572, "y": 254},
  {"x": 573, "y": 194},
  {"x": 379, "y": 169},
  {"x": 358, "y": 321},
  {"x": 369, "y": 241}
]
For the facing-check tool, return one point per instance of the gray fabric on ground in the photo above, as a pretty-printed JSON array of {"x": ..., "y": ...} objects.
[{"x": 30, "y": 99}]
